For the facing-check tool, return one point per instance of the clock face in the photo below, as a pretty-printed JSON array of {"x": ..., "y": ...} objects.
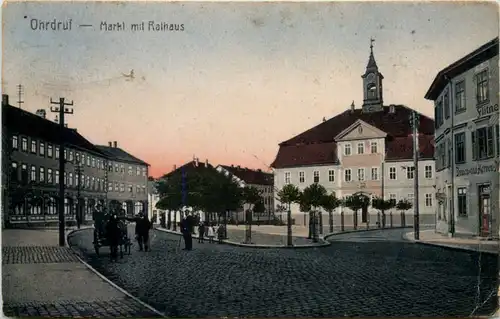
[{"x": 371, "y": 77}]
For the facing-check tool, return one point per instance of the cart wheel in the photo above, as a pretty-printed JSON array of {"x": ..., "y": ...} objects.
[{"x": 96, "y": 248}]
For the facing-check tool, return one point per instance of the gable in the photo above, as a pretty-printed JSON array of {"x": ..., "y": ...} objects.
[{"x": 360, "y": 130}]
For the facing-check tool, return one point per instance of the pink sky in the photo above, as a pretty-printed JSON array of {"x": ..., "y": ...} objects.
[{"x": 240, "y": 79}]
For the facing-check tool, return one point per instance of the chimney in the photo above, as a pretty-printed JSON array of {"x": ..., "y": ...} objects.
[
  {"x": 196, "y": 162},
  {"x": 206, "y": 162},
  {"x": 110, "y": 144},
  {"x": 175, "y": 167},
  {"x": 41, "y": 112},
  {"x": 115, "y": 144},
  {"x": 392, "y": 108},
  {"x": 352, "y": 106},
  {"x": 5, "y": 99}
]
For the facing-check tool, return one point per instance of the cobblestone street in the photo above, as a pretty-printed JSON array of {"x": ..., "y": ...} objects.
[{"x": 384, "y": 277}]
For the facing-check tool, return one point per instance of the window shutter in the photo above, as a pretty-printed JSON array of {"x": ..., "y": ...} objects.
[{"x": 474, "y": 145}]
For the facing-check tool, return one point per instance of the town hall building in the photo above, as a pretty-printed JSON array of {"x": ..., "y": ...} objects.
[{"x": 365, "y": 150}]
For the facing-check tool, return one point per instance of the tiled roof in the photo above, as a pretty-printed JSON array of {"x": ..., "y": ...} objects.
[
  {"x": 316, "y": 146},
  {"x": 190, "y": 167},
  {"x": 119, "y": 154},
  {"x": 250, "y": 176},
  {"x": 22, "y": 122},
  {"x": 401, "y": 148},
  {"x": 476, "y": 57}
]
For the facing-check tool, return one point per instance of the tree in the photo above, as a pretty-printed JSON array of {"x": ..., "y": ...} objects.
[
  {"x": 330, "y": 203},
  {"x": 288, "y": 195},
  {"x": 251, "y": 196},
  {"x": 403, "y": 205},
  {"x": 356, "y": 202},
  {"x": 382, "y": 205},
  {"x": 313, "y": 196}
]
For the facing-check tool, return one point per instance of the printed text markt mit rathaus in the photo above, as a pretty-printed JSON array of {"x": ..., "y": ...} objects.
[{"x": 141, "y": 26}]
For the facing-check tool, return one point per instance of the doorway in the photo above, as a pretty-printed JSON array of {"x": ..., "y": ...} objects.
[
  {"x": 364, "y": 214},
  {"x": 484, "y": 210}
]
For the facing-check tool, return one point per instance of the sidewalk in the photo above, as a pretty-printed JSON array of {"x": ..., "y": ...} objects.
[
  {"x": 39, "y": 278},
  {"x": 430, "y": 237}
]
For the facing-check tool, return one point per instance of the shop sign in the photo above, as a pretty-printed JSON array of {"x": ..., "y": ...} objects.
[
  {"x": 487, "y": 110},
  {"x": 478, "y": 170}
]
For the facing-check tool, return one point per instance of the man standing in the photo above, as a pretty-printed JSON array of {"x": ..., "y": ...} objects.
[
  {"x": 142, "y": 227},
  {"x": 186, "y": 234},
  {"x": 113, "y": 236}
]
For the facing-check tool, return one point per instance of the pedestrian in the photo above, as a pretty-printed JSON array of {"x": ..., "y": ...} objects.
[
  {"x": 211, "y": 234},
  {"x": 201, "y": 232},
  {"x": 186, "y": 234},
  {"x": 113, "y": 233},
  {"x": 220, "y": 233}
]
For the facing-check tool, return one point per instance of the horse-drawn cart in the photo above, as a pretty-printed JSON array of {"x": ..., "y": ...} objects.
[{"x": 101, "y": 240}]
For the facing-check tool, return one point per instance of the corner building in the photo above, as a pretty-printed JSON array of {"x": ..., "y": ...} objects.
[
  {"x": 368, "y": 150},
  {"x": 465, "y": 96}
]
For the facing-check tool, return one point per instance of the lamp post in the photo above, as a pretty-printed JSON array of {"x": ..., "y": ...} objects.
[
  {"x": 414, "y": 122},
  {"x": 79, "y": 171}
]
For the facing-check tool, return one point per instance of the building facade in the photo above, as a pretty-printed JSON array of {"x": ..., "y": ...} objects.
[
  {"x": 366, "y": 150},
  {"x": 262, "y": 181},
  {"x": 30, "y": 159},
  {"x": 465, "y": 95}
]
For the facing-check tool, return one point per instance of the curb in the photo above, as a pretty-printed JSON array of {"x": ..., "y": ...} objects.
[
  {"x": 362, "y": 230},
  {"x": 232, "y": 243},
  {"x": 161, "y": 314},
  {"x": 446, "y": 246}
]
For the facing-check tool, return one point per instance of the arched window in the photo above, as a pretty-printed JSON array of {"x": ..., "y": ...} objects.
[{"x": 372, "y": 91}]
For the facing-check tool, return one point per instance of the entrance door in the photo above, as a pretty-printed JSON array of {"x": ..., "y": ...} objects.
[
  {"x": 484, "y": 210},
  {"x": 364, "y": 214}
]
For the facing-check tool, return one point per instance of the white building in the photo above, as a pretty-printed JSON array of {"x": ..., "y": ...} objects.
[
  {"x": 467, "y": 143},
  {"x": 367, "y": 150}
]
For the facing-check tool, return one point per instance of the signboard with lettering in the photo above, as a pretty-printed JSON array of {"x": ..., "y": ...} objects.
[
  {"x": 478, "y": 170},
  {"x": 486, "y": 110}
]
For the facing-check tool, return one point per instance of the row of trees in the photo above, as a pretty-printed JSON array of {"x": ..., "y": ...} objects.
[
  {"x": 315, "y": 197},
  {"x": 207, "y": 190}
]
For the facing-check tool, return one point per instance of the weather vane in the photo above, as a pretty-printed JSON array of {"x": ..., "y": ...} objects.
[{"x": 371, "y": 44}]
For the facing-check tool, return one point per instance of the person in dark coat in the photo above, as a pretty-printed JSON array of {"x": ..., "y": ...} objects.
[
  {"x": 201, "y": 232},
  {"x": 142, "y": 227},
  {"x": 113, "y": 235},
  {"x": 186, "y": 234}
]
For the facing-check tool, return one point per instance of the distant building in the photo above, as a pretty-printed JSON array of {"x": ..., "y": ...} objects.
[
  {"x": 365, "y": 150},
  {"x": 465, "y": 96},
  {"x": 260, "y": 180},
  {"x": 30, "y": 170},
  {"x": 153, "y": 199}
]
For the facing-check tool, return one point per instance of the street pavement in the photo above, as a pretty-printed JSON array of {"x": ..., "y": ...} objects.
[
  {"x": 40, "y": 279},
  {"x": 386, "y": 277}
]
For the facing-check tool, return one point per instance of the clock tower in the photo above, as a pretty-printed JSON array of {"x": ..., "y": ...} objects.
[{"x": 372, "y": 85}]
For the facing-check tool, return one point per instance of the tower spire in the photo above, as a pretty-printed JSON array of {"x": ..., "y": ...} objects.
[{"x": 371, "y": 61}]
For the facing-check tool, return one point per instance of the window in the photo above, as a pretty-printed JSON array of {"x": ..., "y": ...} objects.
[
  {"x": 331, "y": 175},
  {"x": 371, "y": 90},
  {"x": 65, "y": 154},
  {"x": 87, "y": 180},
  {"x": 347, "y": 175},
  {"x": 497, "y": 133},
  {"x": 88, "y": 160},
  {"x": 57, "y": 152},
  {"x": 70, "y": 180},
  {"x": 110, "y": 167},
  {"x": 316, "y": 176},
  {"x": 130, "y": 172},
  {"x": 428, "y": 171},
  {"x": 33, "y": 146},
  {"x": 428, "y": 200},
  {"x": 71, "y": 156},
  {"x": 287, "y": 178},
  {"x": 446, "y": 102},
  {"x": 462, "y": 201},
  {"x": 374, "y": 173},
  {"x": 15, "y": 142},
  {"x": 137, "y": 189},
  {"x": 117, "y": 186},
  {"x": 460, "y": 148},
  {"x": 92, "y": 183},
  {"x": 410, "y": 172},
  {"x": 392, "y": 173},
  {"x": 110, "y": 187},
  {"x": 482, "y": 143},
  {"x": 393, "y": 198},
  {"x": 83, "y": 159},
  {"x": 460, "y": 97},
  {"x": 482, "y": 94},
  {"x": 93, "y": 161},
  {"x": 122, "y": 187},
  {"x": 122, "y": 168},
  {"x": 347, "y": 149},
  {"x": 24, "y": 144},
  {"x": 302, "y": 177},
  {"x": 117, "y": 169},
  {"x": 33, "y": 173},
  {"x": 130, "y": 188},
  {"x": 49, "y": 176},
  {"x": 374, "y": 147},
  {"x": 57, "y": 176},
  {"x": 450, "y": 154},
  {"x": 42, "y": 174},
  {"x": 361, "y": 148},
  {"x": 410, "y": 198},
  {"x": 77, "y": 177},
  {"x": 144, "y": 171},
  {"x": 438, "y": 116},
  {"x": 65, "y": 178},
  {"x": 137, "y": 171},
  {"x": 13, "y": 172},
  {"x": 49, "y": 150},
  {"x": 361, "y": 174}
]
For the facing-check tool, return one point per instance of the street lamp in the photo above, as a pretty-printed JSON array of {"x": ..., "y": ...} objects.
[
  {"x": 78, "y": 171},
  {"x": 414, "y": 123}
]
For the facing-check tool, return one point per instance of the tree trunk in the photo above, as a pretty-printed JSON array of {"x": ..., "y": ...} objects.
[
  {"x": 225, "y": 224},
  {"x": 175, "y": 220},
  {"x": 289, "y": 240},
  {"x": 310, "y": 233},
  {"x": 320, "y": 222},
  {"x": 355, "y": 219},
  {"x": 330, "y": 221}
]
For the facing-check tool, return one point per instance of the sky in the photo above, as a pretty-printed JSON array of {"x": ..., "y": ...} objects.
[{"x": 238, "y": 79}]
